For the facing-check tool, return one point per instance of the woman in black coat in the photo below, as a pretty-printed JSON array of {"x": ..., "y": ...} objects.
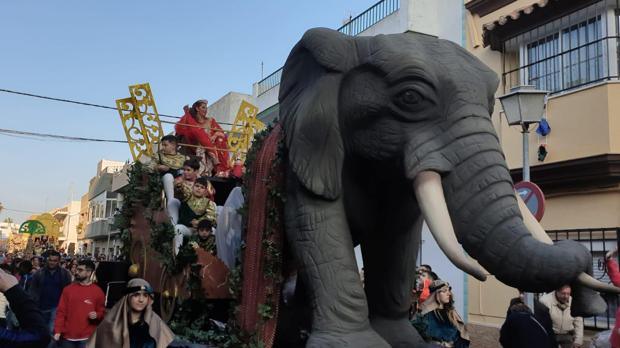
[{"x": 523, "y": 329}]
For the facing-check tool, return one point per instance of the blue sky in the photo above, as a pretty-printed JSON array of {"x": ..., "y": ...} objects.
[{"x": 91, "y": 51}]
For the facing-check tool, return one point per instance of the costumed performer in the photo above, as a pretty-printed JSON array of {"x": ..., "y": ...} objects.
[
  {"x": 197, "y": 128},
  {"x": 438, "y": 321},
  {"x": 132, "y": 321}
]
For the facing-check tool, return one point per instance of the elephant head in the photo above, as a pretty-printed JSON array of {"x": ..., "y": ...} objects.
[{"x": 421, "y": 107}]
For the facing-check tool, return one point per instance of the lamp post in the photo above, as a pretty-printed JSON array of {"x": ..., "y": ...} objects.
[{"x": 523, "y": 106}]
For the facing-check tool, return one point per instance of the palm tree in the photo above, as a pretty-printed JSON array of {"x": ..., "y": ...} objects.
[{"x": 8, "y": 220}]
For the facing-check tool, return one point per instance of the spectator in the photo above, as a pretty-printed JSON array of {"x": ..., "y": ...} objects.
[
  {"x": 4, "y": 304},
  {"x": 132, "y": 321},
  {"x": 438, "y": 321},
  {"x": 81, "y": 308},
  {"x": 423, "y": 283},
  {"x": 522, "y": 328},
  {"x": 46, "y": 286},
  {"x": 25, "y": 272},
  {"x": 36, "y": 263},
  {"x": 568, "y": 329},
  {"x": 614, "y": 275},
  {"x": 33, "y": 333}
]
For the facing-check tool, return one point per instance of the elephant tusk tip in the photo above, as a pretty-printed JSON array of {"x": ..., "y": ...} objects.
[{"x": 589, "y": 282}]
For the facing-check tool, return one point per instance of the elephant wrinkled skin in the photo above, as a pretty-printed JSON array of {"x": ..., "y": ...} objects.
[{"x": 375, "y": 126}]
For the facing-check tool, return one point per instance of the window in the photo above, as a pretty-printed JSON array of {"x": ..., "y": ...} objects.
[
  {"x": 570, "y": 51},
  {"x": 569, "y": 58}
]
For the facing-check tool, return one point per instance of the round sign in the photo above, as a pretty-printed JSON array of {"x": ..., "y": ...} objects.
[
  {"x": 32, "y": 227},
  {"x": 533, "y": 198}
]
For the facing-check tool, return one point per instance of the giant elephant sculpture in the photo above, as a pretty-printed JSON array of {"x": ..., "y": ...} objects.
[{"x": 382, "y": 132}]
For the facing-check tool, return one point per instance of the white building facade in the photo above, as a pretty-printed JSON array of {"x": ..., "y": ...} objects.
[{"x": 98, "y": 236}]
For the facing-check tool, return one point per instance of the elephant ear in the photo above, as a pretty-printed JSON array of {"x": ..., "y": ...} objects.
[{"x": 309, "y": 108}]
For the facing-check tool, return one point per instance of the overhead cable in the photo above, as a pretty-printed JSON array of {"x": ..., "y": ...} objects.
[{"x": 82, "y": 103}]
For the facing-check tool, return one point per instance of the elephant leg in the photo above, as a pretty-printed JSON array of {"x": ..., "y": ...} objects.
[
  {"x": 319, "y": 235},
  {"x": 389, "y": 273}
]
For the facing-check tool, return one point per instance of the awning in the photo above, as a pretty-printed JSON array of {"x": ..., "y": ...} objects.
[{"x": 527, "y": 18}]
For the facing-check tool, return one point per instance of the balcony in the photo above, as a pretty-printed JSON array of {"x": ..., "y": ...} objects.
[
  {"x": 353, "y": 27},
  {"x": 98, "y": 229}
]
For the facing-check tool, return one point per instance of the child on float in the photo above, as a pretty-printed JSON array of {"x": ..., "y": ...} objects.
[
  {"x": 132, "y": 321},
  {"x": 182, "y": 184},
  {"x": 169, "y": 163},
  {"x": 195, "y": 207},
  {"x": 204, "y": 238}
]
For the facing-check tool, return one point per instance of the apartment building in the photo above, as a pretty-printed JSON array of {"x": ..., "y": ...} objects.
[
  {"x": 569, "y": 48},
  {"x": 98, "y": 236}
]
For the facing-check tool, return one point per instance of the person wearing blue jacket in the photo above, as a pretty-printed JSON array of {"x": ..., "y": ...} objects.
[{"x": 33, "y": 331}]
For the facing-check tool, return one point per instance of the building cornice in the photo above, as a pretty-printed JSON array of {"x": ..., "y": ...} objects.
[
  {"x": 594, "y": 172},
  {"x": 484, "y": 7}
]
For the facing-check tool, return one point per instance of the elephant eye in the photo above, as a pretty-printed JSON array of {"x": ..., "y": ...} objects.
[{"x": 410, "y": 97}]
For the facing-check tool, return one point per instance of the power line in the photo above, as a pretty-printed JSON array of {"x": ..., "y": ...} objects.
[
  {"x": 70, "y": 101},
  {"x": 29, "y": 135},
  {"x": 11, "y": 132},
  {"x": 90, "y": 104},
  {"x": 21, "y": 211}
]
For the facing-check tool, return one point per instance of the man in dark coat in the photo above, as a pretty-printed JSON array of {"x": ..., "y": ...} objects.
[
  {"x": 46, "y": 286},
  {"x": 523, "y": 329}
]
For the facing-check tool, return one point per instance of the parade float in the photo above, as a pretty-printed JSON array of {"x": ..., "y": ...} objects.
[{"x": 376, "y": 134}]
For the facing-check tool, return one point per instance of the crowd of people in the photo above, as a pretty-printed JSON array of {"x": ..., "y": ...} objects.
[{"x": 47, "y": 302}]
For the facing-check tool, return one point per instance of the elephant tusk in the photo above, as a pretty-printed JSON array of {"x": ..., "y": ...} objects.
[
  {"x": 538, "y": 232},
  {"x": 589, "y": 282},
  {"x": 429, "y": 193},
  {"x": 532, "y": 225}
]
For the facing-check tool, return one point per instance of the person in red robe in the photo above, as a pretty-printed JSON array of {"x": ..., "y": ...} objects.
[{"x": 197, "y": 128}]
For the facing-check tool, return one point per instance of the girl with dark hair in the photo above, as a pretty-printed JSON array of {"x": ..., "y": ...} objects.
[
  {"x": 438, "y": 322},
  {"x": 197, "y": 128}
]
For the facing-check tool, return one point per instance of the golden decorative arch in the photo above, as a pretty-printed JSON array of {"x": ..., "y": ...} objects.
[
  {"x": 140, "y": 120},
  {"x": 244, "y": 127}
]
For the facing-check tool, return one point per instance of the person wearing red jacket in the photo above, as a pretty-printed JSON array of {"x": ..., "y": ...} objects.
[
  {"x": 81, "y": 308},
  {"x": 196, "y": 128},
  {"x": 614, "y": 275}
]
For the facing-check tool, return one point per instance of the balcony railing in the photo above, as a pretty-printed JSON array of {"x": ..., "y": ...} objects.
[
  {"x": 270, "y": 81},
  {"x": 577, "y": 67},
  {"x": 98, "y": 229},
  {"x": 370, "y": 17},
  {"x": 599, "y": 241},
  {"x": 356, "y": 25}
]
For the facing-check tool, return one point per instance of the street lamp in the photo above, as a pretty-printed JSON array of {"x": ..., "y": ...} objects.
[{"x": 524, "y": 105}]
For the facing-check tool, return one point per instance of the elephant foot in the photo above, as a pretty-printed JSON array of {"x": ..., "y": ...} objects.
[
  {"x": 397, "y": 332},
  {"x": 327, "y": 339}
]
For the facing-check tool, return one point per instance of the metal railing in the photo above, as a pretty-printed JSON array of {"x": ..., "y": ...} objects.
[
  {"x": 599, "y": 241},
  {"x": 363, "y": 21},
  {"x": 370, "y": 17},
  {"x": 270, "y": 81},
  {"x": 573, "y": 68}
]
